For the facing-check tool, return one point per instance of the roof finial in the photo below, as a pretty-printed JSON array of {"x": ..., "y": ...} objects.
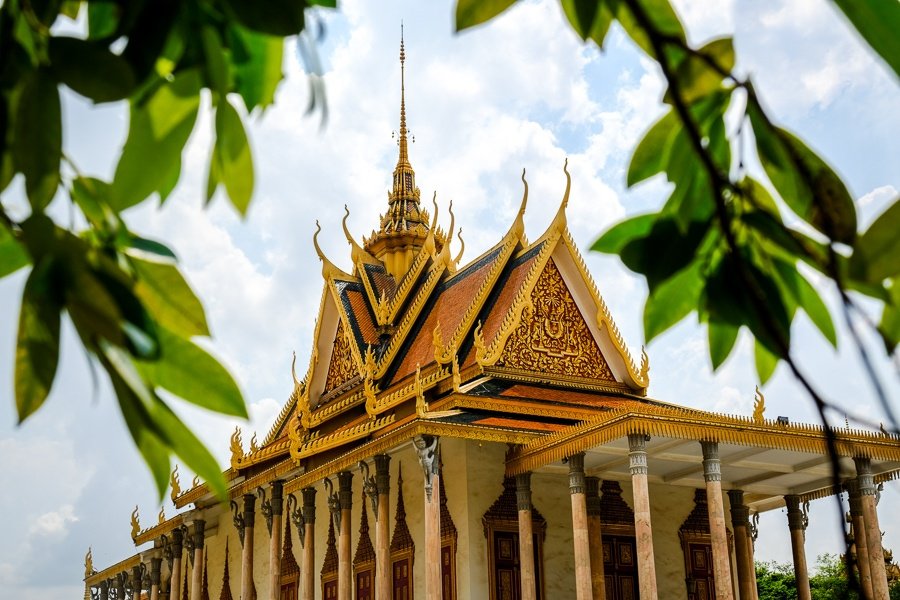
[{"x": 404, "y": 156}]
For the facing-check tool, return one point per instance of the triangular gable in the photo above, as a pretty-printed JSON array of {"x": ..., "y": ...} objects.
[
  {"x": 342, "y": 367},
  {"x": 552, "y": 336}
]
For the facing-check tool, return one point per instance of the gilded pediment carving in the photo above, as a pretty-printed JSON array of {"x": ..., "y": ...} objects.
[{"x": 342, "y": 367}]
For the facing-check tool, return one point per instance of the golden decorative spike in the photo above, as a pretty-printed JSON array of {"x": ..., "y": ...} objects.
[
  {"x": 135, "y": 523},
  {"x": 457, "y": 380},
  {"x": 162, "y": 515},
  {"x": 462, "y": 247},
  {"x": 383, "y": 310},
  {"x": 254, "y": 447},
  {"x": 356, "y": 251},
  {"x": 518, "y": 226},
  {"x": 195, "y": 481},
  {"x": 559, "y": 222},
  {"x": 759, "y": 407},
  {"x": 435, "y": 217},
  {"x": 237, "y": 446},
  {"x": 175, "y": 483},
  {"x": 404, "y": 153},
  {"x": 421, "y": 405},
  {"x": 452, "y": 224},
  {"x": 89, "y": 563},
  {"x": 294, "y": 371},
  {"x": 645, "y": 368},
  {"x": 480, "y": 347}
]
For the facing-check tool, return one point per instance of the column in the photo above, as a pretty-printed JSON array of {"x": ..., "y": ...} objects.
[
  {"x": 197, "y": 572},
  {"x": 104, "y": 590},
  {"x": 120, "y": 585},
  {"x": 155, "y": 567},
  {"x": 595, "y": 536},
  {"x": 743, "y": 545},
  {"x": 383, "y": 528},
  {"x": 866, "y": 484},
  {"x": 797, "y": 525},
  {"x": 428, "y": 451},
  {"x": 307, "y": 561},
  {"x": 859, "y": 538},
  {"x": 277, "y": 504},
  {"x": 136, "y": 581},
  {"x": 712, "y": 473},
  {"x": 643, "y": 532},
  {"x": 526, "y": 536},
  {"x": 249, "y": 516},
  {"x": 175, "y": 580},
  {"x": 580, "y": 527},
  {"x": 345, "y": 566}
]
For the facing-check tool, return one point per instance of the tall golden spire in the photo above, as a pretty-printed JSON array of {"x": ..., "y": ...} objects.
[{"x": 404, "y": 227}]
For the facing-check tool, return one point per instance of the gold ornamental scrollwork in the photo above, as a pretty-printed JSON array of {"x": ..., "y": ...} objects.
[
  {"x": 552, "y": 336},
  {"x": 342, "y": 367}
]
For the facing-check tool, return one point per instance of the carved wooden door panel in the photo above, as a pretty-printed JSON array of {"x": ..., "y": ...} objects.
[
  {"x": 364, "y": 585},
  {"x": 289, "y": 591},
  {"x": 401, "y": 576},
  {"x": 506, "y": 565},
  {"x": 620, "y": 568},
  {"x": 447, "y": 574},
  {"x": 701, "y": 584},
  {"x": 329, "y": 590}
]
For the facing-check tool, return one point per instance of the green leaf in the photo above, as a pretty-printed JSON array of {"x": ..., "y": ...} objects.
[
  {"x": 474, "y": 12},
  {"x": 807, "y": 298},
  {"x": 765, "y": 362},
  {"x": 169, "y": 298},
  {"x": 257, "y": 62},
  {"x": 90, "y": 69},
  {"x": 191, "y": 373},
  {"x": 697, "y": 78},
  {"x": 667, "y": 249},
  {"x": 878, "y": 22},
  {"x": 37, "y": 345},
  {"x": 662, "y": 19},
  {"x": 274, "y": 17},
  {"x": 70, "y": 8},
  {"x": 12, "y": 254},
  {"x": 652, "y": 153},
  {"x": 672, "y": 300},
  {"x": 37, "y": 141},
  {"x": 92, "y": 197},
  {"x": 805, "y": 182},
  {"x": 876, "y": 254},
  {"x": 623, "y": 232},
  {"x": 159, "y": 129},
  {"x": 590, "y": 18},
  {"x": 218, "y": 74},
  {"x": 889, "y": 328},
  {"x": 722, "y": 337},
  {"x": 138, "y": 247},
  {"x": 103, "y": 19},
  {"x": 232, "y": 153}
]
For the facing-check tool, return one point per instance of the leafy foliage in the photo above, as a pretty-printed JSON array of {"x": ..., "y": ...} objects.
[{"x": 132, "y": 308}]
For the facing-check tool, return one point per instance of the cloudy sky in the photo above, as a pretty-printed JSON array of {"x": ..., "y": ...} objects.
[{"x": 522, "y": 92}]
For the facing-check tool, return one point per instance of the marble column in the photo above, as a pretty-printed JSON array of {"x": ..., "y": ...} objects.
[
  {"x": 580, "y": 527},
  {"x": 526, "y": 537},
  {"x": 308, "y": 559},
  {"x": 595, "y": 536},
  {"x": 428, "y": 451},
  {"x": 712, "y": 473},
  {"x": 155, "y": 567},
  {"x": 866, "y": 484},
  {"x": 383, "y": 528},
  {"x": 743, "y": 545},
  {"x": 249, "y": 517},
  {"x": 643, "y": 532},
  {"x": 864, "y": 569},
  {"x": 797, "y": 526},
  {"x": 197, "y": 572},
  {"x": 137, "y": 574},
  {"x": 345, "y": 565},
  {"x": 175, "y": 579},
  {"x": 276, "y": 503}
]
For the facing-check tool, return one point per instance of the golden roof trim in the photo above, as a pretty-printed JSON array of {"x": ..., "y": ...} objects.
[
  {"x": 329, "y": 269},
  {"x": 518, "y": 406},
  {"x": 113, "y": 570},
  {"x": 407, "y": 392},
  {"x": 152, "y": 533},
  {"x": 340, "y": 437},
  {"x": 579, "y": 383},
  {"x": 201, "y": 489},
  {"x": 664, "y": 421},
  {"x": 403, "y": 433}
]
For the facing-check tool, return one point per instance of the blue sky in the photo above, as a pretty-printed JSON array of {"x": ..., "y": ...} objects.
[{"x": 521, "y": 92}]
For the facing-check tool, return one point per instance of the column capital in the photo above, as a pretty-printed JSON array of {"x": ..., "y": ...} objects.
[
  {"x": 198, "y": 534},
  {"x": 309, "y": 505},
  {"x": 155, "y": 569},
  {"x": 523, "y": 491},
  {"x": 740, "y": 512},
  {"x": 249, "y": 510},
  {"x": 855, "y": 498},
  {"x": 383, "y": 474},
  {"x": 277, "y": 500},
  {"x": 637, "y": 453},
  {"x": 177, "y": 541},
  {"x": 712, "y": 466},
  {"x": 592, "y": 491},
  {"x": 576, "y": 473},
  {"x": 345, "y": 489},
  {"x": 865, "y": 479},
  {"x": 797, "y": 518}
]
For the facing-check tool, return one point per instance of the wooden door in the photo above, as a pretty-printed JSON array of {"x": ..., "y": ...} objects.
[
  {"x": 700, "y": 582},
  {"x": 620, "y": 567},
  {"x": 506, "y": 566},
  {"x": 329, "y": 590},
  {"x": 289, "y": 591},
  {"x": 402, "y": 580},
  {"x": 364, "y": 585}
]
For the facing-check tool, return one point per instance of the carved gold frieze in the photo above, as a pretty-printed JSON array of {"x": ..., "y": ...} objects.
[
  {"x": 552, "y": 337},
  {"x": 339, "y": 438},
  {"x": 342, "y": 367}
]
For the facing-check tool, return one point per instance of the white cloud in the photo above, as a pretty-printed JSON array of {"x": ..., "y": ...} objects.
[{"x": 54, "y": 523}]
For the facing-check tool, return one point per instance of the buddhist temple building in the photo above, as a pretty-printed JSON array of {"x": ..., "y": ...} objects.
[{"x": 478, "y": 429}]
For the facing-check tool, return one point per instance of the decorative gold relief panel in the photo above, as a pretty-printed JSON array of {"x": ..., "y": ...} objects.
[
  {"x": 342, "y": 367},
  {"x": 552, "y": 336}
]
